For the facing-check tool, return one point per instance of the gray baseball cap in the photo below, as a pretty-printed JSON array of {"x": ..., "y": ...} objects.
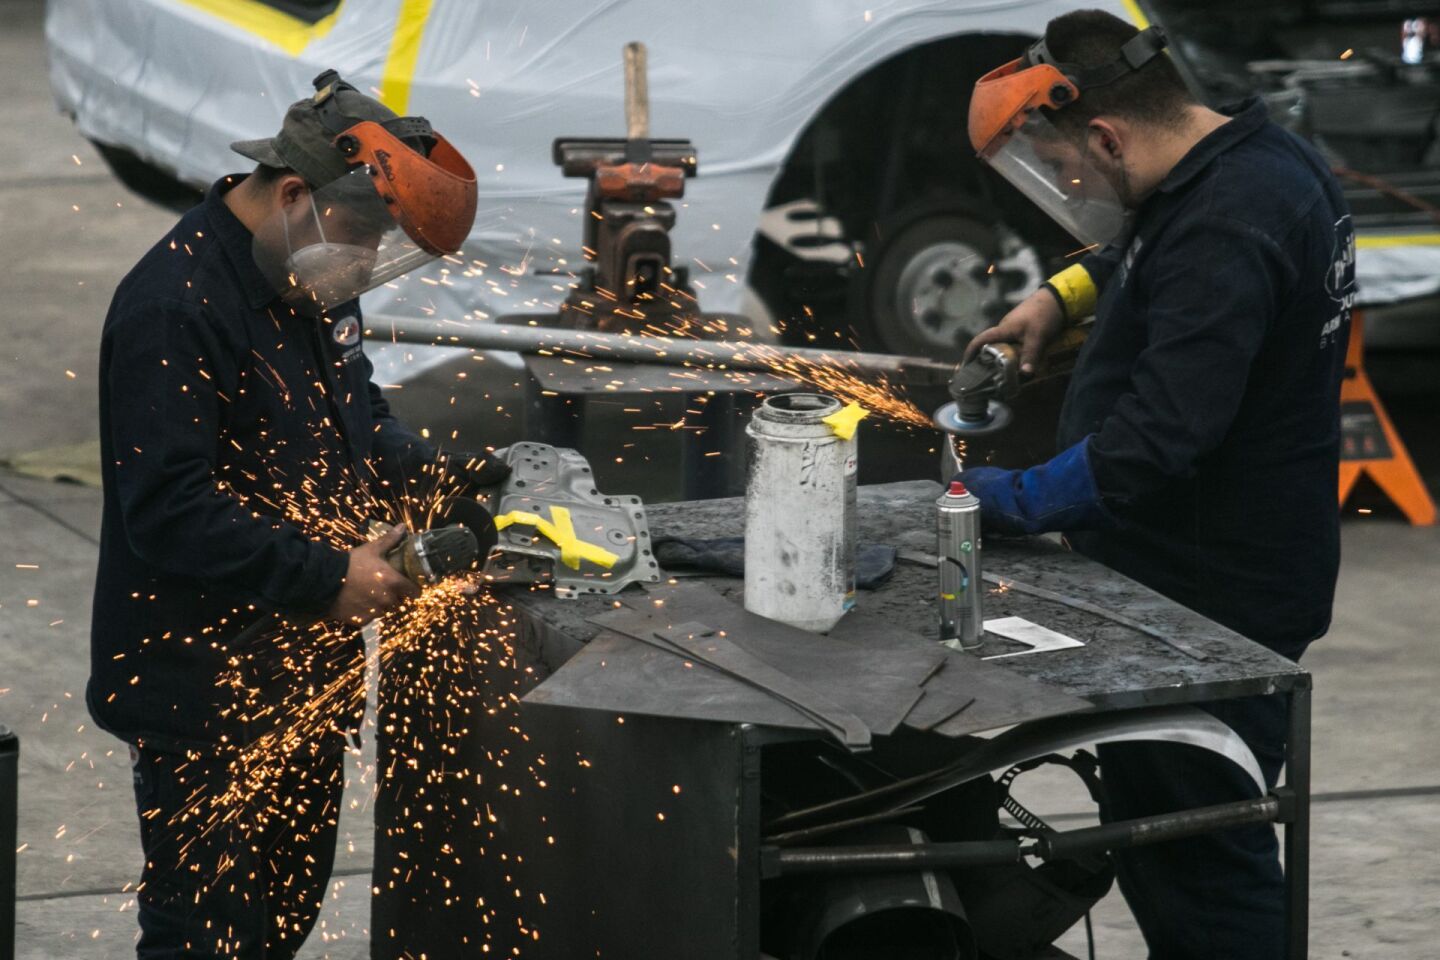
[{"x": 306, "y": 141}]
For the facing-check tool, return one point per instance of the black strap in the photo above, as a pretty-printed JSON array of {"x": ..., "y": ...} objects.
[
  {"x": 1134, "y": 54},
  {"x": 403, "y": 127},
  {"x": 414, "y": 130},
  {"x": 1082, "y": 763}
]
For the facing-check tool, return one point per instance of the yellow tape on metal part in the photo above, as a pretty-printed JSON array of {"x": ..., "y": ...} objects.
[
  {"x": 1077, "y": 290},
  {"x": 560, "y": 531},
  {"x": 845, "y": 422}
]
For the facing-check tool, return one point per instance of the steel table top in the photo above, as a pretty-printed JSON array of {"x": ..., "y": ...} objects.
[{"x": 1119, "y": 667}]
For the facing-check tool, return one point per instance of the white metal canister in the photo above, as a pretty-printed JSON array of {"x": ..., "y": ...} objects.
[{"x": 800, "y": 511}]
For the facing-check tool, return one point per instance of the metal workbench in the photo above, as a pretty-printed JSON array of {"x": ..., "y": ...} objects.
[{"x": 608, "y": 858}]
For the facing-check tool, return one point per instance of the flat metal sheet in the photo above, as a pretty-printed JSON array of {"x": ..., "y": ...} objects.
[
  {"x": 892, "y": 652},
  {"x": 940, "y": 702},
  {"x": 615, "y": 673},
  {"x": 851, "y": 681},
  {"x": 966, "y": 695},
  {"x": 1002, "y": 697},
  {"x": 711, "y": 647},
  {"x": 880, "y": 683}
]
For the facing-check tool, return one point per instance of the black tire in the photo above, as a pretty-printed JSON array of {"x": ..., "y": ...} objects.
[{"x": 944, "y": 253}]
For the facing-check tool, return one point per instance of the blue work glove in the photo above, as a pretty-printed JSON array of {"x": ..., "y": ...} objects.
[{"x": 1057, "y": 495}]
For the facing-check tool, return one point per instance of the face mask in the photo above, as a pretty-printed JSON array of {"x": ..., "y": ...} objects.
[{"x": 325, "y": 274}]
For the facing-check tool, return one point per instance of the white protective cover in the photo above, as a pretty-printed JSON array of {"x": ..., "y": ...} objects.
[
  {"x": 173, "y": 81},
  {"x": 176, "y": 81}
]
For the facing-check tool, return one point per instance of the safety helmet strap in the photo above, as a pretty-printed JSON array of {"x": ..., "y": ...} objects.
[
  {"x": 414, "y": 131},
  {"x": 1134, "y": 54}
]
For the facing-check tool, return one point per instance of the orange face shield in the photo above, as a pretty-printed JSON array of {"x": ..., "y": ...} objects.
[
  {"x": 1011, "y": 129},
  {"x": 395, "y": 210},
  {"x": 432, "y": 197},
  {"x": 1005, "y": 96},
  {"x": 392, "y": 195}
]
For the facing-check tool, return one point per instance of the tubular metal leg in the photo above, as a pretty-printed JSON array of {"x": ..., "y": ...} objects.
[
  {"x": 9, "y": 798},
  {"x": 1297, "y": 829}
]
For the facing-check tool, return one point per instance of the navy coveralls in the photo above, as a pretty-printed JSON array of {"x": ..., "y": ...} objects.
[
  {"x": 217, "y": 406},
  {"x": 1210, "y": 392}
]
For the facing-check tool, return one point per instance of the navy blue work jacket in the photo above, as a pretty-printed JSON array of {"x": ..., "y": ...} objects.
[
  {"x": 1211, "y": 384},
  {"x": 217, "y": 404}
]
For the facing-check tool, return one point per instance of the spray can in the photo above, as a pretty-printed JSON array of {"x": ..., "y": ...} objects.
[
  {"x": 957, "y": 514},
  {"x": 800, "y": 513}
]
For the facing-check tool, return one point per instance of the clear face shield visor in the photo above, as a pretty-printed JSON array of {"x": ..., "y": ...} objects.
[
  {"x": 395, "y": 210},
  {"x": 333, "y": 244},
  {"x": 1053, "y": 169},
  {"x": 1012, "y": 128}
]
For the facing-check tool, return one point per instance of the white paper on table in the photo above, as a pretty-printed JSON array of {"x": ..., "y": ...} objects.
[{"x": 1039, "y": 639}]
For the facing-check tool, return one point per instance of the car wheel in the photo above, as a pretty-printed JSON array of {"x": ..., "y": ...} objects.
[{"x": 938, "y": 279}]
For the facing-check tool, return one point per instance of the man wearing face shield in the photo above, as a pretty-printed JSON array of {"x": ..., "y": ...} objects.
[
  {"x": 1199, "y": 436},
  {"x": 242, "y": 437}
]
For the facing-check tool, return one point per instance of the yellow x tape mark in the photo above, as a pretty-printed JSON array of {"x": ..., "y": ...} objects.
[{"x": 561, "y": 531}]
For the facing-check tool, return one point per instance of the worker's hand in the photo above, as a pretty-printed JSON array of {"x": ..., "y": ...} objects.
[
  {"x": 1057, "y": 495},
  {"x": 1033, "y": 323},
  {"x": 372, "y": 587}
]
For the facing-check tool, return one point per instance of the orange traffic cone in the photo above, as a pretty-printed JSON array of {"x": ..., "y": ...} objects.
[{"x": 1369, "y": 443}]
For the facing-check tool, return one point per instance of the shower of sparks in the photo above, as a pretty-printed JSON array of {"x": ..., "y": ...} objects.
[
  {"x": 844, "y": 380},
  {"x": 450, "y": 688},
  {"x": 450, "y": 683},
  {"x": 678, "y": 317},
  {"x": 446, "y": 663}
]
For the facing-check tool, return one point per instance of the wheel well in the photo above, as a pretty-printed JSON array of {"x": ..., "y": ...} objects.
[
  {"x": 311, "y": 11},
  {"x": 897, "y": 134},
  {"x": 891, "y": 145},
  {"x": 149, "y": 180}
]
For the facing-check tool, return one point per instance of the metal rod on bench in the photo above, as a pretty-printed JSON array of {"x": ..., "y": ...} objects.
[
  {"x": 1053, "y": 846},
  {"x": 671, "y": 351},
  {"x": 888, "y": 858},
  {"x": 1146, "y": 830}
]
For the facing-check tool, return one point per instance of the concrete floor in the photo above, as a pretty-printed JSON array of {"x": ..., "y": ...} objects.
[{"x": 70, "y": 232}]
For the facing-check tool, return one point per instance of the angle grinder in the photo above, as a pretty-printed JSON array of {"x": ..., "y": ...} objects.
[
  {"x": 458, "y": 540},
  {"x": 984, "y": 385}
]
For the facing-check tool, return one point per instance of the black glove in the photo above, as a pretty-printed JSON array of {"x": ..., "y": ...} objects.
[{"x": 475, "y": 471}]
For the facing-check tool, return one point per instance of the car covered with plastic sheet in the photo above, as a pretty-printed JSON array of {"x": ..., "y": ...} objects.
[{"x": 834, "y": 168}]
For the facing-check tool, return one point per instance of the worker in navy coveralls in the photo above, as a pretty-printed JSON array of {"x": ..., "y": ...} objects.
[
  {"x": 233, "y": 380},
  {"x": 1199, "y": 438}
]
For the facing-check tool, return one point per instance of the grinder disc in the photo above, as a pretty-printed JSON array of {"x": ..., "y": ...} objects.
[
  {"x": 472, "y": 516},
  {"x": 948, "y": 419}
]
